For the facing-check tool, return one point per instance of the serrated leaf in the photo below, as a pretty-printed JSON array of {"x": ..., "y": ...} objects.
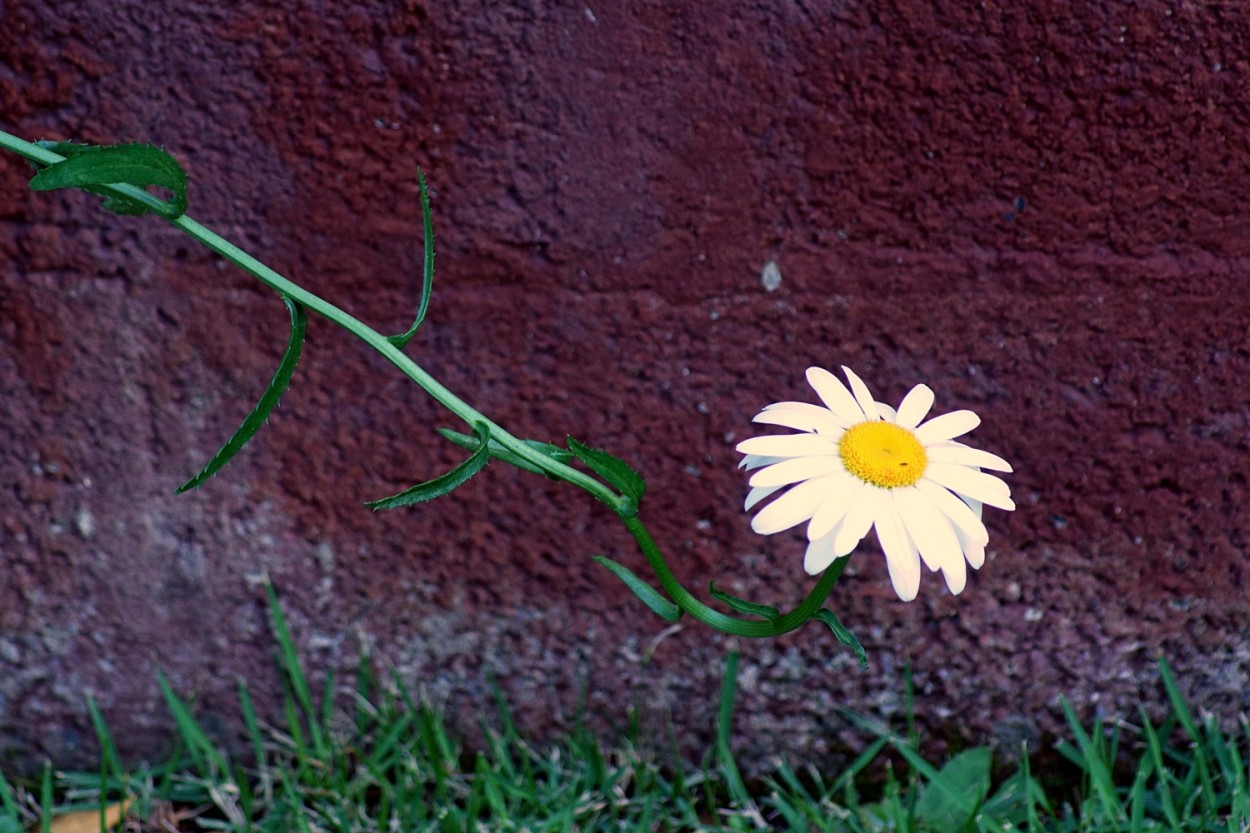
[
  {"x": 738, "y": 605},
  {"x": 498, "y": 452},
  {"x": 89, "y": 167},
  {"x": 427, "y": 277},
  {"x": 844, "y": 636},
  {"x": 268, "y": 400},
  {"x": 445, "y": 483},
  {"x": 614, "y": 470},
  {"x": 652, "y": 598}
]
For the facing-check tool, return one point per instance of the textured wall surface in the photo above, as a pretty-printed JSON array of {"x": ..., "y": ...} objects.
[{"x": 1038, "y": 210}]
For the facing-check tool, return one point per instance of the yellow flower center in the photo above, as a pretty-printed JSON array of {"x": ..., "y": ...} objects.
[{"x": 883, "y": 454}]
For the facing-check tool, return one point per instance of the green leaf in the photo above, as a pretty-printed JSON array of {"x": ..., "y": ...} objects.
[
  {"x": 951, "y": 799},
  {"x": 651, "y": 597},
  {"x": 497, "y": 451},
  {"x": 613, "y": 469},
  {"x": 443, "y": 484},
  {"x": 737, "y": 605},
  {"x": 844, "y": 636},
  {"x": 427, "y": 280},
  {"x": 90, "y": 167},
  {"x": 268, "y": 400}
]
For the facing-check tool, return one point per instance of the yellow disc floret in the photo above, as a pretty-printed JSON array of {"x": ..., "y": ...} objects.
[{"x": 883, "y": 454}]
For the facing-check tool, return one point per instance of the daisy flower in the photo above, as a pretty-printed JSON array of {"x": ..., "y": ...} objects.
[{"x": 859, "y": 464}]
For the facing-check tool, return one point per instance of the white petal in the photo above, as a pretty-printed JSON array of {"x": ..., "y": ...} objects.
[
  {"x": 757, "y": 494},
  {"x": 966, "y": 456},
  {"x": 789, "y": 445},
  {"x": 900, "y": 554},
  {"x": 819, "y": 555},
  {"x": 803, "y": 416},
  {"x": 791, "y": 509},
  {"x": 947, "y": 426},
  {"x": 975, "y": 553},
  {"x": 842, "y": 492},
  {"x": 859, "y": 517},
  {"x": 862, "y": 394},
  {"x": 915, "y": 406},
  {"x": 930, "y": 529},
  {"x": 796, "y": 469},
  {"x": 755, "y": 461},
  {"x": 964, "y": 519},
  {"x": 886, "y": 412},
  {"x": 834, "y": 394},
  {"x": 972, "y": 483}
]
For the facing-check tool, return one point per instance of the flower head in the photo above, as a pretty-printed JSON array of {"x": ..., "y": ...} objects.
[{"x": 859, "y": 464}]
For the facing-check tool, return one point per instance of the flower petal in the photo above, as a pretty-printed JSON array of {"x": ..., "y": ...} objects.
[
  {"x": 796, "y": 469},
  {"x": 859, "y": 517},
  {"x": 755, "y": 461},
  {"x": 862, "y": 394},
  {"x": 930, "y": 529},
  {"x": 964, "y": 519},
  {"x": 900, "y": 554},
  {"x": 915, "y": 406},
  {"x": 789, "y": 445},
  {"x": 802, "y": 416},
  {"x": 834, "y": 394},
  {"x": 837, "y": 502},
  {"x": 757, "y": 494},
  {"x": 947, "y": 426},
  {"x": 819, "y": 555},
  {"x": 967, "y": 456},
  {"x": 791, "y": 509},
  {"x": 971, "y": 483}
]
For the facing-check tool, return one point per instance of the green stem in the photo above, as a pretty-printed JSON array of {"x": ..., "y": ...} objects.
[
  {"x": 721, "y": 621},
  {"x": 622, "y": 506}
]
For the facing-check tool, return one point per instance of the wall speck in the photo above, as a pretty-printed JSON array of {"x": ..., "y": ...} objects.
[
  {"x": 770, "y": 277},
  {"x": 84, "y": 523}
]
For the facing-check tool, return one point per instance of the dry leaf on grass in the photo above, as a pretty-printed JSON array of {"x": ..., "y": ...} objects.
[{"x": 88, "y": 821}]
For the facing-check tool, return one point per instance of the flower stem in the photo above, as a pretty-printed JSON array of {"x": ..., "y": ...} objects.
[{"x": 619, "y": 504}]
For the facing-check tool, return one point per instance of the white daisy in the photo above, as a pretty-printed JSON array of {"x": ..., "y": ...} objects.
[{"x": 860, "y": 464}]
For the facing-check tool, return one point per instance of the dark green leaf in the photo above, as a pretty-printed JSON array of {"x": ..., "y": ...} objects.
[
  {"x": 497, "y": 451},
  {"x": 651, "y": 597},
  {"x": 613, "y": 469},
  {"x": 281, "y": 378},
  {"x": 951, "y": 799},
  {"x": 743, "y": 606},
  {"x": 427, "y": 280},
  {"x": 91, "y": 166},
  {"x": 844, "y": 636},
  {"x": 443, "y": 484}
]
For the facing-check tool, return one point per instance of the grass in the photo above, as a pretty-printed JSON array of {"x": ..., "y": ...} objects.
[{"x": 395, "y": 767}]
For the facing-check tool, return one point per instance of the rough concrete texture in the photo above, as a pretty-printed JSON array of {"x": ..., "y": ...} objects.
[{"x": 1037, "y": 209}]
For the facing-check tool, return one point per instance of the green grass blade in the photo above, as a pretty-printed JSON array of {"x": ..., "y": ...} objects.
[
  {"x": 444, "y": 483},
  {"x": 1095, "y": 765},
  {"x": 45, "y": 800},
  {"x": 294, "y": 672},
  {"x": 203, "y": 753},
  {"x": 427, "y": 272},
  {"x": 110, "y": 761},
  {"x": 268, "y": 400},
  {"x": 724, "y": 730}
]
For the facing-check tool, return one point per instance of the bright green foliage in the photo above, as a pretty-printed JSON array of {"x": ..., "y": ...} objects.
[
  {"x": 445, "y": 483},
  {"x": 619, "y": 474},
  {"x": 652, "y": 598},
  {"x": 90, "y": 167},
  {"x": 390, "y": 763},
  {"x": 268, "y": 400}
]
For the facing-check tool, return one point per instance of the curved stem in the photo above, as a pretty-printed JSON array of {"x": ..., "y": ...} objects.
[
  {"x": 722, "y": 621},
  {"x": 622, "y": 506}
]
